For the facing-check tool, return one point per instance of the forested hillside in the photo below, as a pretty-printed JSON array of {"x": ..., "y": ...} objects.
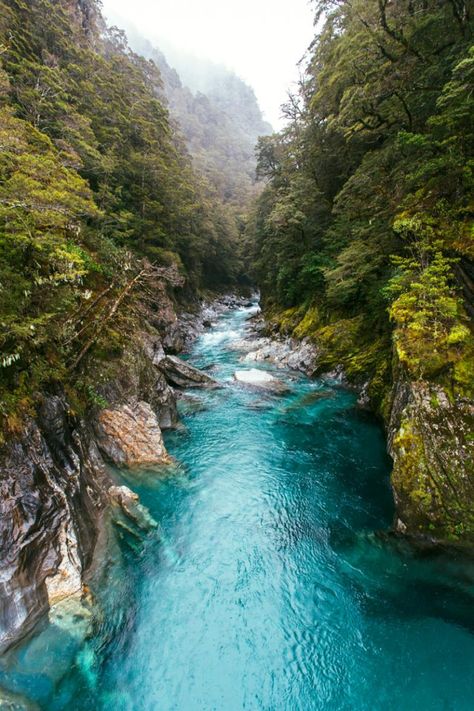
[
  {"x": 364, "y": 234},
  {"x": 98, "y": 197},
  {"x": 219, "y": 117}
]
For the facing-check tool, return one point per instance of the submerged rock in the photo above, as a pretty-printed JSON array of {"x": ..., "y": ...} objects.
[
  {"x": 130, "y": 506},
  {"x": 310, "y": 399},
  {"x": 16, "y": 702},
  {"x": 183, "y": 375},
  {"x": 190, "y": 405},
  {"x": 131, "y": 436},
  {"x": 73, "y": 616}
]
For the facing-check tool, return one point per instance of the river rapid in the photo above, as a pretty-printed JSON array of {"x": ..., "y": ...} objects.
[{"x": 269, "y": 583}]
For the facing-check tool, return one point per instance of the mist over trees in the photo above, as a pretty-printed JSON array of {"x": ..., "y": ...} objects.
[
  {"x": 98, "y": 191},
  {"x": 218, "y": 115}
]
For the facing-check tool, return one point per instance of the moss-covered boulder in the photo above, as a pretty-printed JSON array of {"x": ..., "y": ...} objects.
[{"x": 432, "y": 444}]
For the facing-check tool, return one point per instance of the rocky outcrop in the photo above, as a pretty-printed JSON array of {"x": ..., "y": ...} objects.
[
  {"x": 430, "y": 441},
  {"x": 131, "y": 436},
  {"x": 183, "y": 375},
  {"x": 137, "y": 377},
  {"x": 53, "y": 495},
  {"x": 56, "y": 493},
  {"x": 301, "y": 356}
]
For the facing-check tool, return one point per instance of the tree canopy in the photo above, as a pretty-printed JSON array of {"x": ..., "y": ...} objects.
[
  {"x": 96, "y": 187},
  {"x": 366, "y": 218}
]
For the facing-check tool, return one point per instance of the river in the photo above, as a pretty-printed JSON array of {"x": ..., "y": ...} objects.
[{"x": 269, "y": 583}]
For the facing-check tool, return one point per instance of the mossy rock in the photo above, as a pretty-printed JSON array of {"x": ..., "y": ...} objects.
[{"x": 433, "y": 475}]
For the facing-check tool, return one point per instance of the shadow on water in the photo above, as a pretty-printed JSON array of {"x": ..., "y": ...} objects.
[{"x": 393, "y": 578}]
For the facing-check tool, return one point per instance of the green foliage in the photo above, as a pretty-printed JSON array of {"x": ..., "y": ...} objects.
[
  {"x": 98, "y": 197},
  {"x": 42, "y": 206},
  {"x": 367, "y": 210},
  {"x": 432, "y": 332}
]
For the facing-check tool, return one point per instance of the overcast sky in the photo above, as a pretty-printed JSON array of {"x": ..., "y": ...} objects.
[{"x": 261, "y": 40}]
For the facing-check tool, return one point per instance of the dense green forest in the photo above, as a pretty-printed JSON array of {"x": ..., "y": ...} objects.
[
  {"x": 364, "y": 230},
  {"x": 117, "y": 179},
  {"x": 98, "y": 196}
]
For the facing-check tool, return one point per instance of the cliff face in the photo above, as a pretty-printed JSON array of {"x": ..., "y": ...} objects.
[
  {"x": 430, "y": 440},
  {"x": 53, "y": 494},
  {"x": 55, "y": 489}
]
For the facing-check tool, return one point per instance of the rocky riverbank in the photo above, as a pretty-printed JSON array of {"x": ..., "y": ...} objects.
[
  {"x": 429, "y": 434},
  {"x": 58, "y": 497},
  {"x": 57, "y": 493}
]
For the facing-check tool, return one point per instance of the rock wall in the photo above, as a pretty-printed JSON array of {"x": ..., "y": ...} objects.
[
  {"x": 430, "y": 438},
  {"x": 429, "y": 432},
  {"x": 55, "y": 489}
]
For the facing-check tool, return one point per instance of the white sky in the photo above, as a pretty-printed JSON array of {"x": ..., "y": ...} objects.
[{"x": 261, "y": 40}]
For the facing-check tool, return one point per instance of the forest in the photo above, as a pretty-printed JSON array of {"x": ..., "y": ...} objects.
[
  {"x": 356, "y": 227},
  {"x": 98, "y": 198},
  {"x": 236, "y": 364},
  {"x": 367, "y": 210}
]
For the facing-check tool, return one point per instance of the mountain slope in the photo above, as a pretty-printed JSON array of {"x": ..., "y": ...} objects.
[{"x": 218, "y": 115}]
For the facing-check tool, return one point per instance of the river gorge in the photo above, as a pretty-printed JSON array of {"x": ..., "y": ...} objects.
[{"x": 264, "y": 576}]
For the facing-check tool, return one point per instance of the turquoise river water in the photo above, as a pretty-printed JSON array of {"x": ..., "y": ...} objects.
[{"x": 269, "y": 583}]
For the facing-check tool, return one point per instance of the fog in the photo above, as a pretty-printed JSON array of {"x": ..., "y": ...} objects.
[{"x": 261, "y": 40}]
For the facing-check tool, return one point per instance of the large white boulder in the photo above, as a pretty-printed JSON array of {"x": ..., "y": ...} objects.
[{"x": 260, "y": 379}]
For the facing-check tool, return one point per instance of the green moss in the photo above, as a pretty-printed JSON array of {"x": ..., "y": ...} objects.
[
  {"x": 339, "y": 342},
  {"x": 309, "y": 324},
  {"x": 285, "y": 321},
  {"x": 411, "y": 479},
  {"x": 111, "y": 344},
  {"x": 433, "y": 492},
  {"x": 463, "y": 372}
]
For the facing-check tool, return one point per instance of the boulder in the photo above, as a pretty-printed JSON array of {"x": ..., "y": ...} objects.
[
  {"x": 260, "y": 379},
  {"x": 130, "y": 436},
  {"x": 183, "y": 375}
]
